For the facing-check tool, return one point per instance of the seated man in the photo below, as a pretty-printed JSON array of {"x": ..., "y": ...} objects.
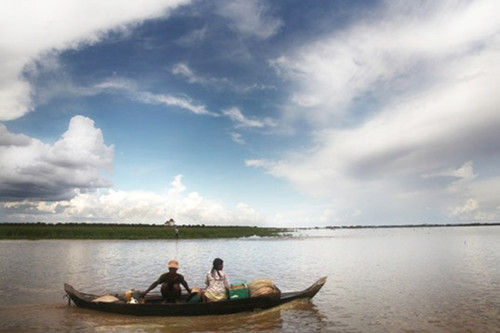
[{"x": 170, "y": 283}]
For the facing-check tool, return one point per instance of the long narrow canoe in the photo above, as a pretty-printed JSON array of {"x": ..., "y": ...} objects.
[{"x": 154, "y": 306}]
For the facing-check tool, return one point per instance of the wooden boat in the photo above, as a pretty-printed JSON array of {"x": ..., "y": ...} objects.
[{"x": 155, "y": 307}]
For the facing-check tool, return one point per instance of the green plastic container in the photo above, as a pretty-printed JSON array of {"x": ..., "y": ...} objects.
[{"x": 239, "y": 293}]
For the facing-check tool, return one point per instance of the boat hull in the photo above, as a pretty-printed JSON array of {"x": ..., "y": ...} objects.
[{"x": 189, "y": 309}]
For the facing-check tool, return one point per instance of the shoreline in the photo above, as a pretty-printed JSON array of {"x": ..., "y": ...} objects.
[
  {"x": 101, "y": 231},
  {"x": 429, "y": 225}
]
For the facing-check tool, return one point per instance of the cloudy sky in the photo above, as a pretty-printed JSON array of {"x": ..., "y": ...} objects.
[{"x": 288, "y": 113}]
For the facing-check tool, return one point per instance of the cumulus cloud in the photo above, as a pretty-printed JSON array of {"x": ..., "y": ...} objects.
[
  {"x": 250, "y": 18},
  {"x": 470, "y": 206},
  {"x": 428, "y": 74},
  {"x": 176, "y": 185},
  {"x": 10, "y": 139},
  {"x": 33, "y": 170},
  {"x": 134, "y": 207},
  {"x": 29, "y": 31}
]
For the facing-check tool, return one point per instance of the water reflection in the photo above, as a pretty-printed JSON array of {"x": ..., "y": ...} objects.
[
  {"x": 295, "y": 316},
  {"x": 378, "y": 280}
]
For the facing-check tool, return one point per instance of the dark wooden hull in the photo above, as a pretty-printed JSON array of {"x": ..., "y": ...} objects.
[{"x": 190, "y": 309}]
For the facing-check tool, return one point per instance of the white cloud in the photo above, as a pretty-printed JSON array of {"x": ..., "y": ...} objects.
[
  {"x": 462, "y": 177},
  {"x": 238, "y": 138},
  {"x": 29, "y": 30},
  {"x": 193, "y": 38},
  {"x": 185, "y": 71},
  {"x": 466, "y": 172},
  {"x": 134, "y": 207},
  {"x": 181, "y": 102},
  {"x": 260, "y": 163},
  {"x": 130, "y": 88},
  {"x": 35, "y": 170},
  {"x": 11, "y": 139},
  {"x": 471, "y": 211},
  {"x": 433, "y": 74},
  {"x": 250, "y": 17},
  {"x": 390, "y": 52},
  {"x": 470, "y": 206},
  {"x": 241, "y": 120},
  {"x": 176, "y": 185}
]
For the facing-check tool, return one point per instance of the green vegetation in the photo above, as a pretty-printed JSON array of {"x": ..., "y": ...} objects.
[{"x": 128, "y": 231}]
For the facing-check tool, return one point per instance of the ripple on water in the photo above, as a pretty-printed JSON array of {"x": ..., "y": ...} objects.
[{"x": 378, "y": 280}]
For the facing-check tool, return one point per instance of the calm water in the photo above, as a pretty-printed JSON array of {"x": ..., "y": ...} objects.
[{"x": 436, "y": 279}]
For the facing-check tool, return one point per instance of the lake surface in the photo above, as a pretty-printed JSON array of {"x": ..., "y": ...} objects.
[{"x": 422, "y": 279}]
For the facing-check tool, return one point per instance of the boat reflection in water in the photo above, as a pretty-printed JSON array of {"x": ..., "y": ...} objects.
[{"x": 306, "y": 317}]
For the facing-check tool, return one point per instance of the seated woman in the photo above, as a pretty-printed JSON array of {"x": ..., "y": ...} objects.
[
  {"x": 170, "y": 283},
  {"x": 216, "y": 282}
]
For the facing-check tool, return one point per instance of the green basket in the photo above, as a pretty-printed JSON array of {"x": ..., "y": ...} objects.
[{"x": 239, "y": 293}]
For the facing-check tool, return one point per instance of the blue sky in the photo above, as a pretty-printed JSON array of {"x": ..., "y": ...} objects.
[{"x": 250, "y": 112}]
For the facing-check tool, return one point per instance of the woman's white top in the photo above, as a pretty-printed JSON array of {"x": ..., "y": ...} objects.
[{"x": 217, "y": 284}]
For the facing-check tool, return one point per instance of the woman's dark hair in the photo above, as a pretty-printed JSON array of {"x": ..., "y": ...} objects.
[{"x": 215, "y": 266}]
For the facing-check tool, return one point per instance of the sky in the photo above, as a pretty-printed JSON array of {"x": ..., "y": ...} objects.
[{"x": 290, "y": 113}]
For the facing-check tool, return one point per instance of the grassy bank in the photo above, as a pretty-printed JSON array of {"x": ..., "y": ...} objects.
[{"x": 126, "y": 231}]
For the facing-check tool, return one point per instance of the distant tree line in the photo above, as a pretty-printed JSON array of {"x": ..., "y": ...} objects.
[
  {"x": 122, "y": 225},
  {"x": 425, "y": 225}
]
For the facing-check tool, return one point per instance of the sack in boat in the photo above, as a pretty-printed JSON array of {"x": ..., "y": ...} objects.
[
  {"x": 264, "y": 288},
  {"x": 106, "y": 299},
  {"x": 256, "y": 284},
  {"x": 268, "y": 292},
  {"x": 264, "y": 291}
]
